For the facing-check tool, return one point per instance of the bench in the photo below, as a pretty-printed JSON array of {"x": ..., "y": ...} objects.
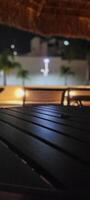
[
  {"x": 78, "y": 99},
  {"x": 45, "y": 95}
]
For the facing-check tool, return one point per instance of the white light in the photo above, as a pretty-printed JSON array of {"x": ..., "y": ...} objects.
[
  {"x": 12, "y": 46},
  {"x": 15, "y": 53},
  {"x": 66, "y": 43},
  {"x": 19, "y": 93},
  {"x": 46, "y": 60},
  {"x": 45, "y": 71},
  {"x": 72, "y": 93}
]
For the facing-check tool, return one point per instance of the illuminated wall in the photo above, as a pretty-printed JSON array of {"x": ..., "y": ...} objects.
[{"x": 34, "y": 65}]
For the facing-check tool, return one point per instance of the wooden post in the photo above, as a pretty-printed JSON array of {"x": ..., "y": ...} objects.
[
  {"x": 24, "y": 97},
  {"x": 68, "y": 97}
]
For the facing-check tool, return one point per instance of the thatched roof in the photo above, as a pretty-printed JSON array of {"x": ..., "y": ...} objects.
[{"x": 69, "y": 18}]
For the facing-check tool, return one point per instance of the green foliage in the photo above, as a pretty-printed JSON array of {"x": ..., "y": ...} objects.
[
  {"x": 8, "y": 64},
  {"x": 66, "y": 70},
  {"x": 23, "y": 74}
]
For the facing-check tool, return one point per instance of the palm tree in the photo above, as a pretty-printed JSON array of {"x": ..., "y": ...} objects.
[
  {"x": 66, "y": 71},
  {"x": 23, "y": 74},
  {"x": 7, "y": 64}
]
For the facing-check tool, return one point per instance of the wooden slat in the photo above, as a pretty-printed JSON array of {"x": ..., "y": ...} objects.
[
  {"x": 65, "y": 120},
  {"x": 56, "y": 149},
  {"x": 65, "y": 110},
  {"x": 70, "y": 114},
  {"x": 32, "y": 124},
  {"x": 63, "y": 168},
  {"x": 15, "y": 174},
  {"x": 61, "y": 114},
  {"x": 68, "y": 145}
]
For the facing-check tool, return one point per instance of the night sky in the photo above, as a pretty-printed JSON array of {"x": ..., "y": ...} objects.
[{"x": 21, "y": 40}]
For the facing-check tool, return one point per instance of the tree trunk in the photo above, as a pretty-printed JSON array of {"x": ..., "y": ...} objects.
[
  {"x": 88, "y": 74},
  {"x": 66, "y": 78},
  {"x": 23, "y": 82},
  {"x": 4, "y": 79}
]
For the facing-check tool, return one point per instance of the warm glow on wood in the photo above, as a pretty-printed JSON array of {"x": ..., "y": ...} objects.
[
  {"x": 45, "y": 95},
  {"x": 72, "y": 93},
  {"x": 19, "y": 93}
]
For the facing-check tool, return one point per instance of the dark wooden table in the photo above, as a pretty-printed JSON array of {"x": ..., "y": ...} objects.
[{"x": 45, "y": 151}]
